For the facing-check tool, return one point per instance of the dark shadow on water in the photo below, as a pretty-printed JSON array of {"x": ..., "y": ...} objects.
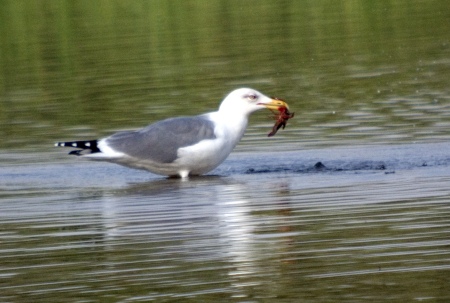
[
  {"x": 387, "y": 159},
  {"x": 320, "y": 167}
]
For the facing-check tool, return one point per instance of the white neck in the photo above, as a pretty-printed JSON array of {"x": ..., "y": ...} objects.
[{"x": 234, "y": 124}]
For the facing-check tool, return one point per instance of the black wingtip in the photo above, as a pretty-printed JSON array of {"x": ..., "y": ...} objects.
[{"x": 89, "y": 145}]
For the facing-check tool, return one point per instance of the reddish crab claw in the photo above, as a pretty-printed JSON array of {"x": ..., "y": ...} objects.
[{"x": 281, "y": 118}]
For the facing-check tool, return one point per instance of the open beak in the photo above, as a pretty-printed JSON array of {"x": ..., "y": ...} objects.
[{"x": 275, "y": 104}]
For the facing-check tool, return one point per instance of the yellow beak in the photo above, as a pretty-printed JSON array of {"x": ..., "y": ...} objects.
[{"x": 275, "y": 104}]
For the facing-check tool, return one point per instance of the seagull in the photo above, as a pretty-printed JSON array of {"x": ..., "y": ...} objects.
[{"x": 181, "y": 146}]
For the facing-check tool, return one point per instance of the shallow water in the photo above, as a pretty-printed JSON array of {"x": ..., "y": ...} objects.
[
  {"x": 372, "y": 225},
  {"x": 349, "y": 203}
]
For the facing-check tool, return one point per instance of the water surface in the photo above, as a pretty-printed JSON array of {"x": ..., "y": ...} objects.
[{"x": 372, "y": 223}]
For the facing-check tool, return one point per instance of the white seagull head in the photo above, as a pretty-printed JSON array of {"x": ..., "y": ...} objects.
[{"x": 246, "y": 101}]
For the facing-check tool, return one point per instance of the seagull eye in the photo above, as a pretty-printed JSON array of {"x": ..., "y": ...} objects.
[{"x": 251, "y": 97}]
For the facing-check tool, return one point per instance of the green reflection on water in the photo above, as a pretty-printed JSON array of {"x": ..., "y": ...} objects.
[{"x": 82, "y": 68}]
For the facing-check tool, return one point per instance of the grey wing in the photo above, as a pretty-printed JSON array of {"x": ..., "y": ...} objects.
[{"x": 160, "y": 141}]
